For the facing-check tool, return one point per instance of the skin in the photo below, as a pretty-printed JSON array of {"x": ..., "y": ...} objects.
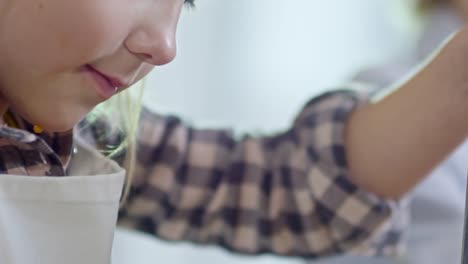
[
  {"x": 45, "y": 45},
  {"x": 393, "y": 144},
  {"x": 461, "y": 6}
]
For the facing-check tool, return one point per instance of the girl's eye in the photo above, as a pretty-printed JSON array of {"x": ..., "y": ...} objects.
[{"x": 190, "y": 3}]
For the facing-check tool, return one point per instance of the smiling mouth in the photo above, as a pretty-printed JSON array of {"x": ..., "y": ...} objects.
[{"x": 105, "y": 86}]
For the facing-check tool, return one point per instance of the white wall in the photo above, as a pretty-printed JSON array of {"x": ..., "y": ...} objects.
[{"x": 250, "y": 65}]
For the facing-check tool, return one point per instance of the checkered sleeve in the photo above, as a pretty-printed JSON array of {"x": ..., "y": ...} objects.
[{"x": 287, "y": 194}]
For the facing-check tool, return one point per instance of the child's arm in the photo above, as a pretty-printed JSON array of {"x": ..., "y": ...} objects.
[
  {"x": 392, "y": 144},
  {"x": 296, "y": 193},
  {"x": 288, "y": 194}
]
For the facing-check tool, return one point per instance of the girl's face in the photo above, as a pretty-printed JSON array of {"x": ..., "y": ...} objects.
[{"x": 60, "y": 58}]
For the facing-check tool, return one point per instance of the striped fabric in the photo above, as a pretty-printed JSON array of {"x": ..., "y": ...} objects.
[{"x": 286, "y": 194}]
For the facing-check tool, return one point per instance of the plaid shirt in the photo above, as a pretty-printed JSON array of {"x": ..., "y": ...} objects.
[{"x": 286, "y": 194}]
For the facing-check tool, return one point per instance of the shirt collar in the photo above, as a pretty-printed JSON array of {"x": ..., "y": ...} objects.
[{"x": 55, "y": 148}]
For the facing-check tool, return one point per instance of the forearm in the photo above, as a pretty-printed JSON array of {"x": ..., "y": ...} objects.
[{"x": 394, "y": 143}]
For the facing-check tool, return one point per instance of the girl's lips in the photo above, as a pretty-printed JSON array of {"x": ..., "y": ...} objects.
[{"x": 106, "y": 87}]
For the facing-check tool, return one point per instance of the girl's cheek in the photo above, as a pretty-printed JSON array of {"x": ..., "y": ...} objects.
[{"x": 99, "y": 32}]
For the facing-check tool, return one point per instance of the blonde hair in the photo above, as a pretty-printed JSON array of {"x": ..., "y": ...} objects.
[{"x": 122, "y": 113}]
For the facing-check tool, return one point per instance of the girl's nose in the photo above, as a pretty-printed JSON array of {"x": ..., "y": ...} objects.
[{"x": 154, "y": 39}]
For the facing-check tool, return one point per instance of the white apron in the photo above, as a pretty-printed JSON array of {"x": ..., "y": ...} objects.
[{"x": 61, "y": 220}]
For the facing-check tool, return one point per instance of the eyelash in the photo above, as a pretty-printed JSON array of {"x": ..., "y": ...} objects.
[{"x": 190, "y": 3}]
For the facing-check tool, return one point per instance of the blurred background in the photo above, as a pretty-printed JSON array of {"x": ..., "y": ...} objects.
[{"x": 250, "y": 65}]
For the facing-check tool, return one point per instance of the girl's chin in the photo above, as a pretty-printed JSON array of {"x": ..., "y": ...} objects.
[
  {"x": 55, "y": 125},
  {"x": 58, "y": 120}
]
